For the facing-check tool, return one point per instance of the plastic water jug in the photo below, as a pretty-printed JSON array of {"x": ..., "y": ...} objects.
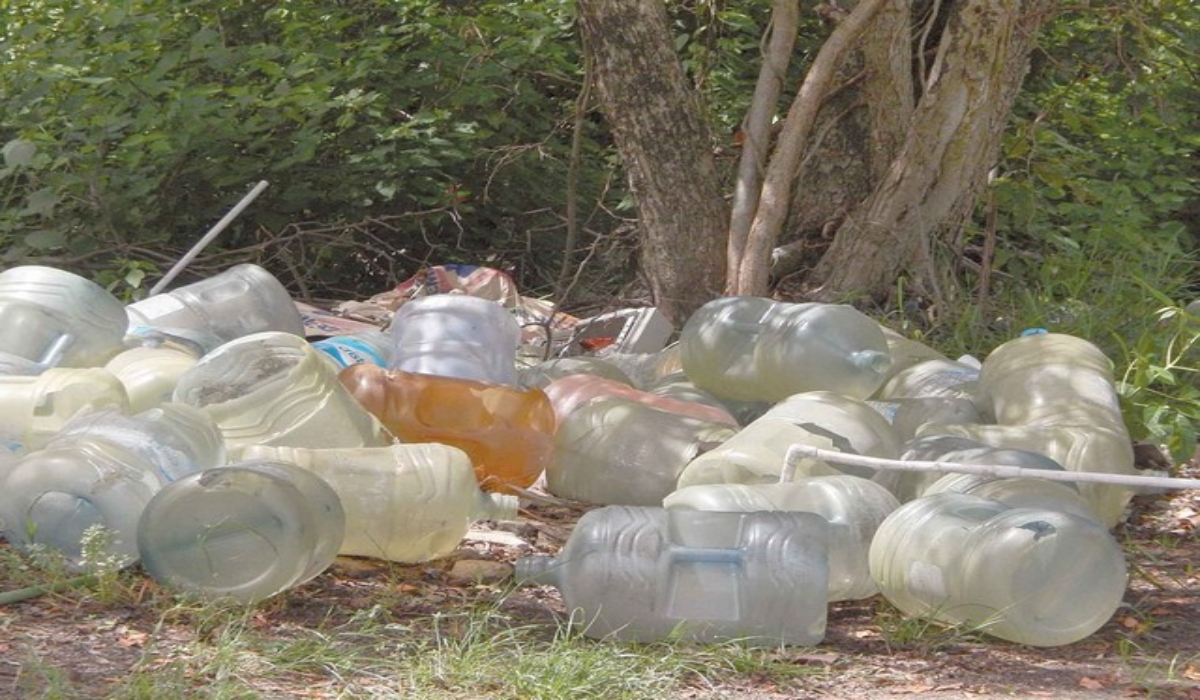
[
  {"x": 149, "y": 373},
  {"x": 404, "y": 503},
  {"x": 542, "y": 373},
  {"x": 933, "y": 379},
  {"x": 1017, "y": 492},
  {"x": 646, "y": 574},
  {"x": 34, "y": 408},
  {"x": 101, "y": 471},
  {"x": 614, "y": 450},
  {"x": 246, "y": 530},
  {"x": 455, "y": 335},
  {"x": 1032, "y": 576},
  {"x": 55, "y": 318},
  {"x": 755, "y": 455},
  {"x": 854, "y": 507},
  {"x": 273, "y": 388},
  {"x": 756, "y": 349},
  {"x": 1054, "y": 394},
  {"x": 506, "y": 431},
  {"x": 571, "y": 392},
  {"x": 242, "y": 300},
  {"x": 908, "y": 485},
  {"x": 905, "y": 352}
]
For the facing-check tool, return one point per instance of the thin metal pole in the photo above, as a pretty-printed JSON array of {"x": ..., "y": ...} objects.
[
  {"x": 208, "y": 237},
  {"x": 798, "y": 451}
]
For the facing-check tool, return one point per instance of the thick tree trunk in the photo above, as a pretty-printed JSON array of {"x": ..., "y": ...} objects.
[
  {"x": 665, "y": 145},
  {"x": 929, "y": 190}
]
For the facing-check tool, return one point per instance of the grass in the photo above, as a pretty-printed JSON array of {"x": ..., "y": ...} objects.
[{"x": 230, "y": 651}]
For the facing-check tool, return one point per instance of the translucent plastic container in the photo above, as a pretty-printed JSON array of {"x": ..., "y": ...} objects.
[
  {"x": 908, "y": 416},
  {"x": 1032, "y": 576},
  {"x": 34, "y": 408},
  {"x": 55, "y": 318},
  {"x": 273, "y": 388},
  {"x": 506, "y": 431},
  {"x": 1054, "y": 393},
  {"x": 649, "y": 574},
  {"x": 150, "y": 373},
  {"x": 853, "y": 506},
  {"x": 755, "y": 455},
  {"x": 246, "y": 531},
  {"x": 908, "y": 485},
  {"x": 933, "y": 379},
  {"x": 542, "y": 373},
  {"x": 455, "y": 335},
  {"x": 569, "y": 393},
  {"x": 756, "y": 349},
  {"x": 1017, "y": 492},
  {"x": 906, "y": 352},
  {"x": 242, "y": 300},
  {"x": 404, "y": 503},
  {"x": 614, "y": 450},
  {"x": 369, "y": 346},
  {"x": 100, "y": 471}
]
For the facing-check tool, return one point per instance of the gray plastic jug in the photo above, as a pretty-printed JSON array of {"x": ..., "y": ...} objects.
[{"x": 646, "y": 574}]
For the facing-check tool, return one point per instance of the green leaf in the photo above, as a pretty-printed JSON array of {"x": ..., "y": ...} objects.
[
  {"x": 41, "y": 202},
  {"x": 19, "y": 153},
  {"x": 45, "y": 239}
]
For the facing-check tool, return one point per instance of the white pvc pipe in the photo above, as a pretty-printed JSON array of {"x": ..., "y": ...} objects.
[
  {"x": 208, "y": 237},
  {"x": 798, "y": 451}
]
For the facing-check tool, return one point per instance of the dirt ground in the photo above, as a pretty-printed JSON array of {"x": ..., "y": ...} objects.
[{"x": 1151, "y": 647}]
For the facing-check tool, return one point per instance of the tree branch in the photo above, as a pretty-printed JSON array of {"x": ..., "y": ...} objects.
[
  {"x": 756, "y": 128},
  {"x": 754, "y": 269}
]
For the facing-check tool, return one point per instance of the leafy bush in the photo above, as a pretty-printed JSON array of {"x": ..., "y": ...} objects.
[{"x": 391, "y": 133}]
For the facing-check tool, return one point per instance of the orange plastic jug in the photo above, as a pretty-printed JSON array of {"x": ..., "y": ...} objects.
[{"x": 508, "y": 432}]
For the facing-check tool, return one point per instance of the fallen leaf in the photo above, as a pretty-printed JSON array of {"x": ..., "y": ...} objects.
[
  {"x": 1191, "y": 673},
  {"x": 1090, "y": 683},
  {"x": 1130, "y": 622},
  {"x": 133, "y": 639}
]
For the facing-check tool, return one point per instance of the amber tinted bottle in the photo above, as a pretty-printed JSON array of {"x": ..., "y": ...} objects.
[{"x": 506, "y": 431}]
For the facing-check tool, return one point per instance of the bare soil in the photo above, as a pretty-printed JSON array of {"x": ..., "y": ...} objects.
[{"x": 1151, "y": 647}]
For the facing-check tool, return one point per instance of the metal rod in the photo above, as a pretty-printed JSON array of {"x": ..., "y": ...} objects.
[
  {"x": 798, "y": 451},
  {"x": 208, "y": 237}
]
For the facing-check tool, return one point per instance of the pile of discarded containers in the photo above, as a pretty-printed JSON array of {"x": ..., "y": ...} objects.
[{"x": 200, "y": 432}]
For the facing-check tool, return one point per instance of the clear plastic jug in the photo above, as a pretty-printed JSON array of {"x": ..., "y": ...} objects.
[
  {"x": 853, "y": 506},
  {"x": 404, "y": 503},
  {"x": 242, "y": 300},
  {"x": 150, "y": 372},
  {"x": 273, "y": 388},
  {"x": 646, "y": 574},
  {"x": 756, "y": 349},
  {"x": 100, "y": 471},
  {"x": 55, "y": 318},
  {"x": 34, "y": 408},
  {"x": 614, "y": 450},
  {"x": 1031, "y": 576},
  {"x": 455, "y": 335},
  {"x": 246, "y": 530},
  {"x": 755, "y": 455},
  {"x": 1054, "y": 394},
  {"x": 571, "y": 392}
]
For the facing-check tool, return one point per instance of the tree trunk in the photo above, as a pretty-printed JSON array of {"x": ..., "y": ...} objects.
[
  {"x": 930, "y": 188},
  {"x": 666, "y": 148}
]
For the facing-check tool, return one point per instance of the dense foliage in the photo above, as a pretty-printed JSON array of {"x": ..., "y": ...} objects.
[
  {"x": 391, "y": 134},
  {"x": 401, "y": 133}
]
